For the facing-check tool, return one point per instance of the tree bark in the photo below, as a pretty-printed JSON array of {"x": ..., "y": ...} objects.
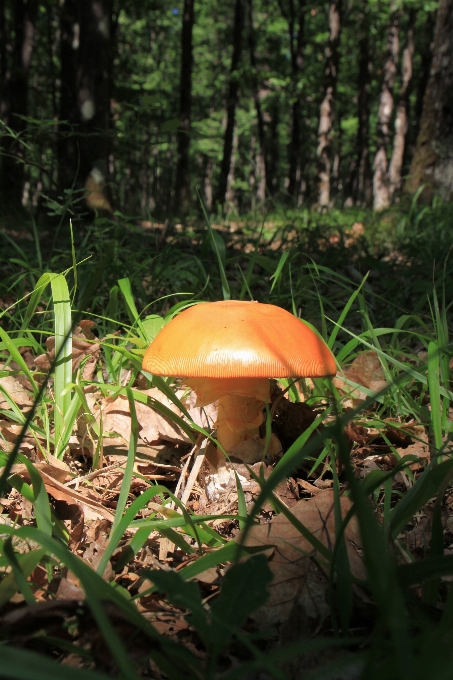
[
  {"x": 426, "y": 57},
  {"x": 261, "y": 159},
  {"x": 273, "y": 146},
  {"x": 3, "y": 48},
  {"x": 15, "y": 98},
  {"x": 360, "y": 184},
  {"x": 232, "y": 100},
  {"x": 231, "y": 193},
  {"x": 84, "y": 141},
  {"x": 297, "y": 50},
  {"x": 432, "y": 164},
  {"x": 327, "y": 113},
  {"x": 402, "y": 110},
  {"x": 182, "y": 184},
  {"x": 381, "y": 190}
]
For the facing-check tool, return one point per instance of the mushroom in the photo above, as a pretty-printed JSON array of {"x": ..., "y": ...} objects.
[{"x": 227, "y": 351}]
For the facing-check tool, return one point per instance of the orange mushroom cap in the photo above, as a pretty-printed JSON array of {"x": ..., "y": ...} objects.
[{"x": 235, "y": 339}]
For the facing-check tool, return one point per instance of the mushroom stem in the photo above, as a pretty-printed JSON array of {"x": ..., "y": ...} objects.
[
  {"x": 240, "y": 405},
  {"x": 238, "y": 418}
]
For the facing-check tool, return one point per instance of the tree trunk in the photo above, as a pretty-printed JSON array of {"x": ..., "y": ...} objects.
[
  {"x": 182, "y": 184},
  {"x": 432, "y": 163},
  {"x": 273, "y": 146},
  {"x": 381, "y": 190},
  {"x": 231, "y": 193},
  {"x": 297, "y": 49},
  {"x": 326, "y": 114},
  {"x": 426, "y": 57},
  {"x": 84, "y": 143},
  {"x": 232, "y": 100},
  {"x": 208, "y": 183},
  {"x": 402, "y": 111},
  {"x": 360, "y": 183},
  {"x": 15, "y": 97},
  {"x": 261, "y": 159},
  {"x": 3, "y": 49}
]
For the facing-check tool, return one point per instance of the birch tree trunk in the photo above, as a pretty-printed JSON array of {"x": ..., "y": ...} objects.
[
  {"x": 402, "y": 111},
  {"x": 432, "y": 164},
  {"x": 326, "y": 114},
  {"x": 182, "y": 183},
  {"x": 381, "y": 190},
  {"x": 232, "y": 100}
]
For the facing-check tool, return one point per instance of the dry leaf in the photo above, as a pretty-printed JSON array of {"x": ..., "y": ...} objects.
[
  {"x": 419, "y": 449},
  {"x": 251, "y": 450},
  {"x": 81, "y": 348},
  {"x": 69, "y": 591},
  {"x": 164, "y": 426},
  {"x": 298, "y": 579},
  {"x": 116, "y": 418},
  {"x": 14, "y": 389},
  {"x": 366, "y": 370},
  {"x": 52, "y": 477}
]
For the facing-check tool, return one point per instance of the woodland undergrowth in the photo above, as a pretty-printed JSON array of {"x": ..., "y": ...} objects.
[{"x": 331, "y": 558}]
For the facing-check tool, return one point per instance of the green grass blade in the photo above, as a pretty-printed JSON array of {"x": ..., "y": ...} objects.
[
  {"x": 21, "y": 664},
  {"x": 423, "y": 570},
  {"x": 218, "y": 247},
  {"x": 19, "y": 576},
  {"x": 16, "y": 356},
  {"x": 128, "y": 472},
  {"x": 344, "y": 313},
  {"x": 277, "y": 274},
  {"x": 63, "y": 354},
  {"x": 126, "y": 290},
  {"x": 425, "y": 488},
  {"x": 242, "y": 505},
  {"x": 434, "y": 393},
  {"x": 27, "y": 564}
]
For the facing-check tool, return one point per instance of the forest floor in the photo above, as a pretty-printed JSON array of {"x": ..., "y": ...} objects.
[{"x": 121, "y": 555}]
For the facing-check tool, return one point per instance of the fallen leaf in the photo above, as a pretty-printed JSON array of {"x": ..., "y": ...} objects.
[
  {"x": 251, "y": 450},
  {"x": 419, "y": 448},
  {"x": 366, "y": 370},
  {"x": 69, "y": 591},
  {"x": 82, "y": 347},
  {"x": 15, "y": 390},
  {"x": 299, "y": 580},
  {"x": 52, "y": 476}
]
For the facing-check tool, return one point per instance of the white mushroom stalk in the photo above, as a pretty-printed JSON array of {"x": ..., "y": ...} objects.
[{"x": 241, "y": 403}]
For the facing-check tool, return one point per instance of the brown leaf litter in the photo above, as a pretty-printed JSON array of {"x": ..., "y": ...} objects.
[
  {"x": 300, "y": 574},
  {"x": 84, "y": 346},
  {"x": 366, "y": 370}
]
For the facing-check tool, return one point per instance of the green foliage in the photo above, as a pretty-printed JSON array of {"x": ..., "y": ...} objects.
[{"x": 146, "y": 53}]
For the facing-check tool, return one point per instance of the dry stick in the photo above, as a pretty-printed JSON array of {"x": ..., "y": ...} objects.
[
  {"x": 165, "y": 545},
  {"x": 199, "y": 460},
  {"x": 92, "y": 475}
]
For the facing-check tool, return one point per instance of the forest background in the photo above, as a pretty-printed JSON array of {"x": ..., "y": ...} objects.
[
  {"x": 318, "y": 136},
  {"x": 139, "y": 104}
]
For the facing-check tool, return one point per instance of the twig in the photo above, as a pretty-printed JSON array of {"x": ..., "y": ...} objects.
[
  {"x": 92, "y": 475},
  {"x": 199, "y": 460},
  {"x": 165, "y": 545}
]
